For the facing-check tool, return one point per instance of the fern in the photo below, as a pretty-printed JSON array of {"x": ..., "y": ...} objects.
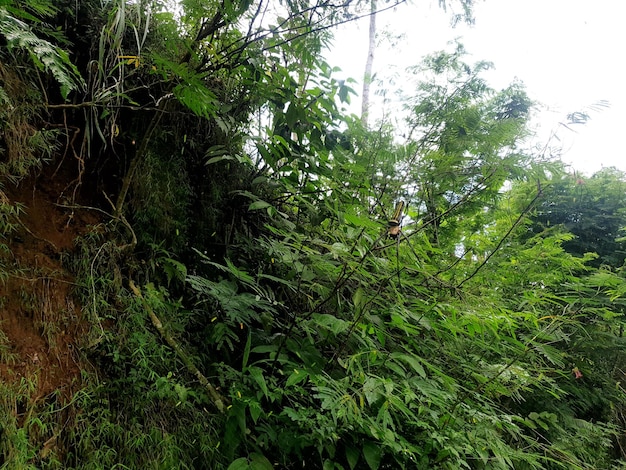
[{"x": 45, "y": 56}]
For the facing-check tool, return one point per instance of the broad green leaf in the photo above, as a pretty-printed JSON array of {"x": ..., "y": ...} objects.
[
  {"x": 213, "y": 160},
  {"x": 357, "y": 298},
  {"x": 330, "y": 322},
  {"x": 256, "y": 205},
  {"x": 259, "y": 462},
  {"x": 255, "y": 410},
  {"x": 270, "y": 348},
  {"x": 239, "y": 464},
  {"x": 344, "y": 93},
  {"x": 352, "y": 456},
  {"x": 372, "y": 454},
  {"x": 238, "y": 411},
  {"x": 292, "y": 115},
  {"x": 255, "y": 461},
  {"x": 360, "y": 221},
  {"x": 372, "y": 390}
]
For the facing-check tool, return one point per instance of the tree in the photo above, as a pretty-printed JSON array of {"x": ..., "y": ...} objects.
[
  {"x": 243, "y": 304},
  {"x": 592, "y": 209},
  {"x": 463, "y": 142},
  {"x": 369, "y": 64},
  {"x": 368, "y": 76}
]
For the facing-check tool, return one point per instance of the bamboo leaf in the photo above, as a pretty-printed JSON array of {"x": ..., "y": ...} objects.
[
  {"x": 246, "y": 352},
  {"x": 412, "y": 361},
  {"x": 357, "y": 298}
]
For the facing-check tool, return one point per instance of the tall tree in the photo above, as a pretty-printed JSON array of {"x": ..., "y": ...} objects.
[
  {"x": 369, "y": 64},
  {"x": 466, "y": 16},
  {"x": 464, "y": 141},
  {"x": 592, "y": 209}
]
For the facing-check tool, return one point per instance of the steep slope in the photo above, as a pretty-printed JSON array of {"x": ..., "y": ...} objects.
[{"x": 41, "y": 324}]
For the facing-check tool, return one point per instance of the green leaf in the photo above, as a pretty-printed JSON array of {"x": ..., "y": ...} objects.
[
  {"x": 292, "y": 115},
  {"x": 372, "y": 454},
  {"x": 257, "y": 374},
  {"x": 246, "y": 351},
  {"x": 360, "y": 221},
  {"x": 259, "y": 462},
  {"x": 182, "y": 392},
  {"x": 256, "y": 205},
  {"x": 270, "y": 348},
  {"x": 174, "y": 270},
  {"x": 357, "y": 298},
  {"x": 45, "y": 55},
  {"x": 371, "y": 390},
  {"x": 255, "y": 410},
  {"x": 352, "y": 456},
  {"x": 255, "y": 461},
  {"x": 296, "y": 377},
  {"x": 210, "y": 161},
  {"x": 344, "y": 92},
  {"x": 238, "y": 413},
  {"x": 193, "y": 94},
  {"x": 412, "y": 361},
  {"x": 330, "y": 322},
  {"x": 239, "y": 464}
]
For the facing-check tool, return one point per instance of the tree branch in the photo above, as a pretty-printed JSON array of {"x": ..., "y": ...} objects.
[
  {"x": 218, "y": 399},
  {"x": 502, "y": 240}
]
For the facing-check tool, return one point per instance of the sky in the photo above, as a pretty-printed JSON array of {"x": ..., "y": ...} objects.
[{"x": 568, "y": 53}]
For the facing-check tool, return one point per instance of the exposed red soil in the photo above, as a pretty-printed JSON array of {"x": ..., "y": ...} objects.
[{"x": 39, "y": 314}]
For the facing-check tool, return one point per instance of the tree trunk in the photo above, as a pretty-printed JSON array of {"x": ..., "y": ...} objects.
[{"x": 367, "y": 76}]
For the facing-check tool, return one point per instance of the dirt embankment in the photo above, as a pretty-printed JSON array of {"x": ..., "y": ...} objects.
[{"x": 40, "y": 319}]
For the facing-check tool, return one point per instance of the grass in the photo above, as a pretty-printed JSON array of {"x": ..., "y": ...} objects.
[{"x": 7, "y": 356}]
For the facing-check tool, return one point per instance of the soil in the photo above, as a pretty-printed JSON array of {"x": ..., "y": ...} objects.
[{"x": 39, "y": 315}]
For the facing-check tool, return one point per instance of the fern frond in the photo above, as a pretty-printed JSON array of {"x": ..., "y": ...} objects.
[{"x": 44, "y": 54}]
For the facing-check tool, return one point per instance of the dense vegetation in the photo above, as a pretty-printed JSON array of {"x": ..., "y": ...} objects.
[{"x": 257, "y": 280}]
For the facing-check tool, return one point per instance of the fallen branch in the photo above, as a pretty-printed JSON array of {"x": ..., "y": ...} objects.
[{"x": 218, "y": 400}]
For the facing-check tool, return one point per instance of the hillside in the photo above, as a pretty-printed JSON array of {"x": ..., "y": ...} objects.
[{"x": 207, "y": 263}]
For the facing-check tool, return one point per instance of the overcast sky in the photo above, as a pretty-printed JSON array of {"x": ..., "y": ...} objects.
[{"x": 568, "y": 53}]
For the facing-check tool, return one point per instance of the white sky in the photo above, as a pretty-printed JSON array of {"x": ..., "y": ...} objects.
[{"x": 568, "y": 53}]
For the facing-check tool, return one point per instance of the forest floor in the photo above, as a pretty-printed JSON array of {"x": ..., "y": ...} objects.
[{"x": 40, "y": 316}]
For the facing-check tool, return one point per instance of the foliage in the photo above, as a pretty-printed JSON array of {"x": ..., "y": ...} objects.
[
  {"x": 258, "y": 232},
  {"x": 45, "y": 55},
  {"x": 590, "y": 208},
  {"x": 24, "y": 145}
]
